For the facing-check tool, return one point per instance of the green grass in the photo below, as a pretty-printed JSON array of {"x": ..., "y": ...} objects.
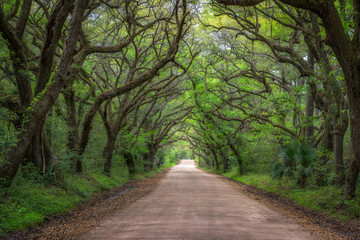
[
  {"x": 24, "y": 205},
  {"x": 30, "y": 198},
  {"x": 327, "y": 199}
]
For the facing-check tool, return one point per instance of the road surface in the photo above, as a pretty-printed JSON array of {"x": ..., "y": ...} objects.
[{"x": 191, "y": 204}]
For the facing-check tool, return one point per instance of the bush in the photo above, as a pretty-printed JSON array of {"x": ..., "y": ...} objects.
[{"x": 298, "y": 161}]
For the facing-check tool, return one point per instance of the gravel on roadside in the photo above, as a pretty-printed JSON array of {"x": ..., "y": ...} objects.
[{"x": 320, "y": 224}]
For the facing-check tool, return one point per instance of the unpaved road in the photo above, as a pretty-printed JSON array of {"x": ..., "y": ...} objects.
[{"x": 191, "y": 204}]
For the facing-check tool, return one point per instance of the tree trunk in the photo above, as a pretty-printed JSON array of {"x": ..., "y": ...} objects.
[
  {"x": 39, "y": 151},
  {"x": 160, "y": 162},
  {"x": 309, "y": 130},
  {"x": 216, "y": 161},
  {"x": 339, "y": 156},
  {"x": 108, "y": 153},
  {"x": 353, "y": 88},
  {"x": 328, "y": 137},
  {"x": 49, "y": 127},
  {"x": 72, "y": 135},
  {"x": 206, "y": 158},
  {"x": 238, "y": 157},
  {"x": 129, "y": 161},
  {"x": 150, "y": 157},
  {"x": 347, "y": 53},
  {"x": 225, "y": 161}
]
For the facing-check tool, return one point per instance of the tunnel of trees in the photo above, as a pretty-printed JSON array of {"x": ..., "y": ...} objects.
[{"x": 265, "y": 86}]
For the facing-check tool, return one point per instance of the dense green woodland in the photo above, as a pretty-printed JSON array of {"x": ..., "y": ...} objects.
[{"x": 95, "y": 92}]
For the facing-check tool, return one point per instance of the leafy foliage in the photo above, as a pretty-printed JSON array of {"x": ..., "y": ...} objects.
[{"x": 298, "y": 161}]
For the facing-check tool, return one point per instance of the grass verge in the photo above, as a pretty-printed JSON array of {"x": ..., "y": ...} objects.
[
  {"x": 326, "y": 199},
  {"x": 32, "y": 197}
]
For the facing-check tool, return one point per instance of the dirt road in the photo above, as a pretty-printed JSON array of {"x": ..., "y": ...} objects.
[{"x": 191, "y": 204}]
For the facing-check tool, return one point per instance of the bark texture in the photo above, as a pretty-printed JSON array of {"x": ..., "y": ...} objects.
[
  {"x": 12, "y": 161},
  {"x": 129, "y": 161}
]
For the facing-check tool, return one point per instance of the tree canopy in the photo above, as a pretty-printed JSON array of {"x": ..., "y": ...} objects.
[{"x": 256, "y": 85}]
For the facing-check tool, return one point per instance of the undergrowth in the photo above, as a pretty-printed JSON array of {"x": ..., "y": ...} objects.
[
  {"x": 141, "y": 175},
  {"x": 32, "y": 197},
  {"x": 328, "y": 199}
]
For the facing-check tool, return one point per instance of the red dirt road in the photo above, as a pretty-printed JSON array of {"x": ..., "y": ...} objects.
[{"x": 191, "y": 204}]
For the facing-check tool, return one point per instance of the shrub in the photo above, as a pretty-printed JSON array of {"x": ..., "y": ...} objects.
[{"x": 298, "y": 161}]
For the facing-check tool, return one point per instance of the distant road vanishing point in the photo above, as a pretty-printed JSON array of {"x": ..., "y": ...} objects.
[{"x": 191, "y": 204}]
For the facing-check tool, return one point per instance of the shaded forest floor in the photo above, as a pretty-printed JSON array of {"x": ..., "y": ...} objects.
[
  {"x": 83, "y": 218},
  {"x": 317, "y": 222}
]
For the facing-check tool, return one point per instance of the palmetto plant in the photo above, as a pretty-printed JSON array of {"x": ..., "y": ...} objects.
[{"x": 298, "y": 161}]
